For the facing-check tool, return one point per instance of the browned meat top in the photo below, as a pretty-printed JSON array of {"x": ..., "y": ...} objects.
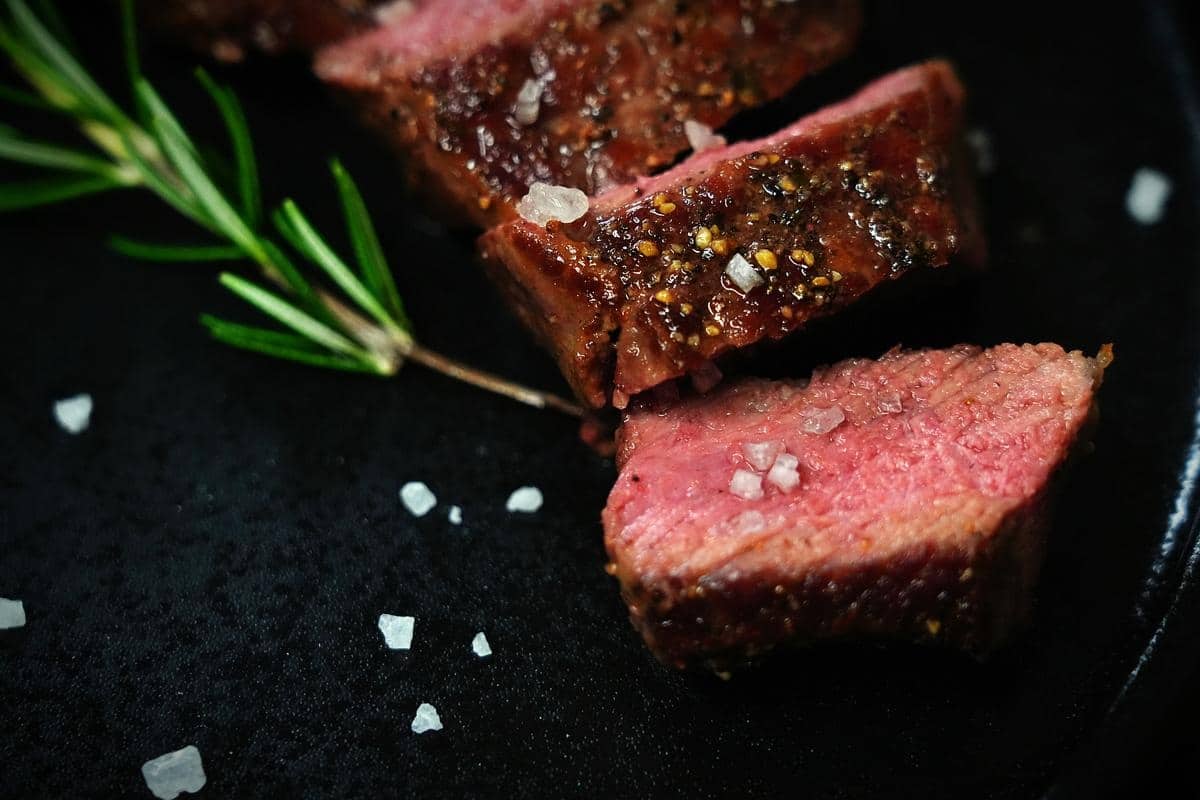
[
  {"x": 751, "y": 242},
  {"x": 490, "y": 97}
]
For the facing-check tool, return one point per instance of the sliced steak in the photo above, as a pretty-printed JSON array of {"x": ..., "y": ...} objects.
[
  {"x": 897, "y": 498},
  {"x": 488, "y": 97},
  {"x": 746, "y": 243},
  {"x": 226, "y": 28}
]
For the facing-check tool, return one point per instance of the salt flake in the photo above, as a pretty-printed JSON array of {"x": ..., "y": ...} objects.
[
  {"x": 746, "y": 484},
  {"x": 761, "y": 455},
  {"x": 12, "y": 613},
  {"x": 785, "y": 472},
  {"x": 480, "y": 645},
  {"x": 169, "y": 775},
  {"x": 454, "y": 515},
  {"x": 74, "y": 413},
  {"x": 701, "y": 137},
  {"x": 397, "y": 631},
  {"x": 426, "y": 719},
  {"x": 527, "y": 499},
  {"x": 1147, "y": 197},
  {"x": 417, "y": 498},
  {"x": 822, "y": 420},
  {"x": 743, "y": 275},
  {"x": 545, "y": 202}
]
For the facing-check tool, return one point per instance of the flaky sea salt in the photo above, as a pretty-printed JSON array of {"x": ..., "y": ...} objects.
[
  {"x": 169, "y": 775},
  {"x": 527, "y": 499},
  {"x": 980, "y": 142},
  {"x": 529, "y": 102},
  {"x": 889, "y": 403},
  {"x": 743, "y": 275},
  {"x": 746, "y": 484},
  {"x": 785, "y": 472},
  {"x": 417, "y": 498},
  {"x": 544, "y": 202},
  {"x": 822, "y": 420},
  {"x": 426, "y": 719},
  {"x": 397, "y": 631},
  {"x": 12, "y": 613},
  {"x": 761, "y": 455},
  {"x": 1147, "y": 197},
  {"x": 701, "y": 137},
  {"x": 480, "y": 645},
  {"x": 73, "y": 414},
  {"x": 454, "y": 515}
]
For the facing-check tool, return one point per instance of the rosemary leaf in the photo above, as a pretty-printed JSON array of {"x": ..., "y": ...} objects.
[
  {"x": 173, "y": 253},
  {"x": 280, "y": 345},
  {"x": 39, "y": 154},
  {"x": 220, "y": 213},
  {"x": 309, "y": 242},
  {"x": 59, "y": 62},
  {"x": 45, "y": 191},
  {"x": 367, "y": 249},
  {"x": 275, "y": 306},
  {"x": 243, "y": 146},
  {"x": 27, "y": 99}
]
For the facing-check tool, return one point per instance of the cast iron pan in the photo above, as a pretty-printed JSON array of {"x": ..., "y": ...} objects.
[{"x": 206, "y": 563}]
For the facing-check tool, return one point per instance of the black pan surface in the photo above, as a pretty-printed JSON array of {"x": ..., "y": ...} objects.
[{"x": 206, "y": 563}]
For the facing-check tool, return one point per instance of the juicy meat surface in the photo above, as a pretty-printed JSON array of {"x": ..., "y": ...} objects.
[
  {"x": 488, "y": 97},
  {"x": 916, "y": 514},
  {"x": 226, "y": 28},
  {"x": 638, "y": 291}
]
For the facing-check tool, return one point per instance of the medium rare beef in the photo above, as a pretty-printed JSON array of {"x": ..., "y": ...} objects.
[
  {"x": 488, "y": 97},
  {"x": 226, "y": 28},
  {"x": 747, "y": 243},
  {"x": 897, "y": 498}
]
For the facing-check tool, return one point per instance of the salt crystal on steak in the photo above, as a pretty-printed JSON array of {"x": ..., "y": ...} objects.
[
  {"x": 785, "y": 472},
  {"x": 454, "y": 515},
  {"x": 527, "y": 499},
  {"x": 529, "y": 102},
  {"x": 701, "y": 137},
  {"x": 761, "y": 455},
  {"x": 426, "y": 719},
  {"x": 397, "y": 631},
  {"x": 1148, "y": 193},
  {"x": 12, "y": 613},
  {"x": 74, "y": 413},
  {"x": 417, "y": 498},
  {"x": 743, "y": 275},
  {"x": 480, "y": 645},
  {"x": 169, "y": 775},
  {"x": 822, "y": 420},
  {"x": 544, "y": 202},
  {"x": 746, "y": 485}
]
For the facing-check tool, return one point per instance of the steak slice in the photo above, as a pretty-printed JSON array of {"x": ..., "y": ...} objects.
[
  {"x": 747, "y": 243},
  {"x": 226, "y": 28},
  {"x": 915, "y": 514},
  {"x": 488, "y": 97}
]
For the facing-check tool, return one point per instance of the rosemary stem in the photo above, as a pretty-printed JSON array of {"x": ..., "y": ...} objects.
[{"x": 492, "y": 383}]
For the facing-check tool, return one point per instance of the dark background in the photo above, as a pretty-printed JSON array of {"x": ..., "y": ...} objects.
[{"x": 206, "y": 563}]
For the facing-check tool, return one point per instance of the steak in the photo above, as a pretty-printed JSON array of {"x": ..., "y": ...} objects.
[
  {"x": 226, "y": 28},
  {"x": 898, "y": 498},
  {"x": 746, "y": 243},
  {"x": 486, "y": 98}
]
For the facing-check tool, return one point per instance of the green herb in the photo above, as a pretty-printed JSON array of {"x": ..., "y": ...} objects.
[{"x": 360, "y": 327}]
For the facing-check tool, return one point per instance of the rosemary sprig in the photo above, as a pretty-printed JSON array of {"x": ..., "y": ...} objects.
[{"x": 360, "y": 327}]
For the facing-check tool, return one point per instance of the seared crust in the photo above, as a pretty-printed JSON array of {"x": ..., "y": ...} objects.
[
  {"x": 856, "y": 195},
  {"x": 619, "y": 78}
]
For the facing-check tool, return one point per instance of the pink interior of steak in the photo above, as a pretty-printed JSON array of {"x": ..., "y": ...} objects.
[
  {"x": 435, "y": 29},
  {"x": 880, "y": 92},
  {"x": 936, "y": 447}
]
